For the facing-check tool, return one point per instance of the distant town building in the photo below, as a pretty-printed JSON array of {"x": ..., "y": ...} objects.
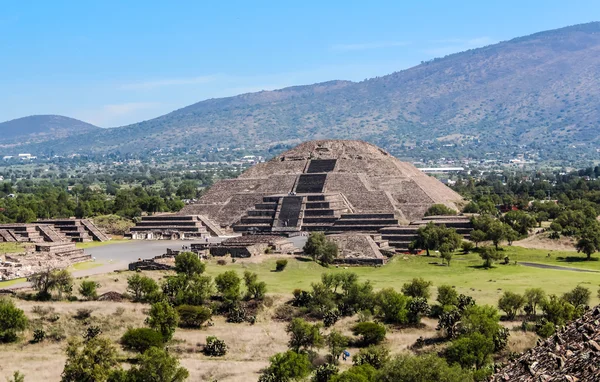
[{"x": 440, "y": 170}]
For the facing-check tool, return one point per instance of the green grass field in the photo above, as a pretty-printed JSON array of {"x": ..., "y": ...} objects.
[
  {"x": 485, "y": 285},
  {"x": 11, "y": 248}
]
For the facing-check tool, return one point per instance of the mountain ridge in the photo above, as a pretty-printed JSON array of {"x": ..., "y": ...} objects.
[
  {"x": 39, "y": 127},
  {"x": 498, "y": 97}
]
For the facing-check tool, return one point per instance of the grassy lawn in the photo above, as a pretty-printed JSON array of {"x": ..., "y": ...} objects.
[
  {"x": 486, "y": 286},
  {"x": 85, "y": 265},
  {"x": 11, "y": 248},
  {"x": 4, "y": 284},
  {"x": 92, "y": 244}
]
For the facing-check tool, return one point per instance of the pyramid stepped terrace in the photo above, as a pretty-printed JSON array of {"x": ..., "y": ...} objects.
[
  {"x": 169, "y": 226},
  {"x": 333, "y": 185}
]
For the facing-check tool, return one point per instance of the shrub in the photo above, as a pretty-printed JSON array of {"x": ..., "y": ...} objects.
[
  {"x": 544, "y": 328},
  {"x": 286, "y": 366},
  {"x": 221, "y": 262},
  {"x": 417, "y": 308},
  {"x": 88, "y": 289},
  {"x": 189, "y": 264},
  {"x": 215, "y": 347},
  {"x": 141, "y": 339},
  {"x": 370, "y": 333},
  {"x": 301, "y": 298},
  {"x": 12, "y": 321},
  {"x": 92, "y": 332},
  {"x": 430, "y": 367},
  {"x": 193, "y": 316},
  {"x": 92, "y": 360},
  {"x": 418, "y": 287},
  {"x": 331, "y": 317},
  {"x": 325, "y": 372},
  {"x": 83, "y": 314},
  {"x": 237, "y": 314},
  {"x": 489, "y": 255},
  {"x": 376, "y": 356},
  {"x": 280, "y": 265},
  {"x": 362, "y": 373},
  {"x": 155, "y": 364},
  {"x": 254, "y": 289},
  {"x": 447, "y": 295},
  {"x": 558, "y": 311},
  {"x": 471, "y": 350},
  {"x": 38, "y": 336}
]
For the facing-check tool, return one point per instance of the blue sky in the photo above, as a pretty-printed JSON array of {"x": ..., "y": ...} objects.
[{"x": 113, "y": 63}]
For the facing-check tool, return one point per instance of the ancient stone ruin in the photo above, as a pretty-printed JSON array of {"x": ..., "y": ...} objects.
[
  {"x": 173, "y": 227},
  {"x": 54, "y": 231},
  {"x": 41, "y": 257},
  {"x": 333, "y": 185},
  {"x": 570, "y": 355}
]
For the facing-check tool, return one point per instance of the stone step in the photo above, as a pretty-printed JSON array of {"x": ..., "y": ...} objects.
[{"x": 369, "y": 216}]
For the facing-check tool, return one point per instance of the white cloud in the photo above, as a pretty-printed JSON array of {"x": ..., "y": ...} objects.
[
  {"x": 152, "y": 84},
  {"x": 369, "y": 45},
  {"x": 454, "y": 45}
]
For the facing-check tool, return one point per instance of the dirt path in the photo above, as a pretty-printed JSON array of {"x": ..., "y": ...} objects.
[{"x": 555, "y": 267}]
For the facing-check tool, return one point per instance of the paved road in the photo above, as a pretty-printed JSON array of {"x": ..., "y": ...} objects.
[
  {"x": 555, "y": 267},
  {"x": 119, "y": 255}
]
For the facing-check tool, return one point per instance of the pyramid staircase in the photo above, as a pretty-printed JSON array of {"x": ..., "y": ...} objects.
[{"x": 7, "y": 236}]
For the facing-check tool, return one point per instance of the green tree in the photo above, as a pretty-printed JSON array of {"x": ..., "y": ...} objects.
[
  {"x": 489, "y": 255},
  {"x": 511, "y": 303},
  {"x": 12, "y": 321},
  {"x": 557, "y": 310},
  {"x": 392, "y": 305},
  {"x": 189, "y": 264},
  {"x": 447, "y": 295},
  {"x": 370, "y": 333},
  {"x": 88, "y": 289},
  {"x": 62, "y": 282},
  {"x": 288, "y": 366},
  {"x": 164, "y": 319},
  {"x": 156, "y": 365},
  {"x": 142, "y": 288},
  {"x": 254, "y": 289},
  {"x": 228, "y": 284},
  {"x": 446, "y": 254},
  {"x": 336, "y": 343},
  {"x": 589, "y": 240},
  {"x": 438, "y": 210},
  {"x": 520, "y": 221},
  {"x": 579, "y": 297},
  {"x": 477, "y": 236},
  {"x": 472, "y": 350},
  {"x": 303, "y": 335},
  {"x": 534, "y": 297},
  {"x": 417, "y": 287},
  {"x": 320, "y": 248},
  {"x": 496, "y": 232},
  {"x": 93, "y": 360}
]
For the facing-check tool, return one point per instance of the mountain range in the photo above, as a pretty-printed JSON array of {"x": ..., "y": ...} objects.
[{"x": 540, "y": 91}]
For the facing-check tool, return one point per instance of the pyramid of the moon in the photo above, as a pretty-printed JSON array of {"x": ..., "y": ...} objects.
[{"x": 329, "y": 185}]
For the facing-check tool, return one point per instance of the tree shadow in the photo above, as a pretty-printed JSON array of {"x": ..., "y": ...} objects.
[
  {"x": 576, "y": 259},
  {"x": 481, "y": 266},
  {"x": 303, "y": 259}
]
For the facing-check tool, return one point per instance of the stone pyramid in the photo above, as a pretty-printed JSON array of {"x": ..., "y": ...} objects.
[{"x": 341, "y": 176}]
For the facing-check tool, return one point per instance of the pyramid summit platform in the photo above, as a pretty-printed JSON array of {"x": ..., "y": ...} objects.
[{"x": 327, "y": 185}]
